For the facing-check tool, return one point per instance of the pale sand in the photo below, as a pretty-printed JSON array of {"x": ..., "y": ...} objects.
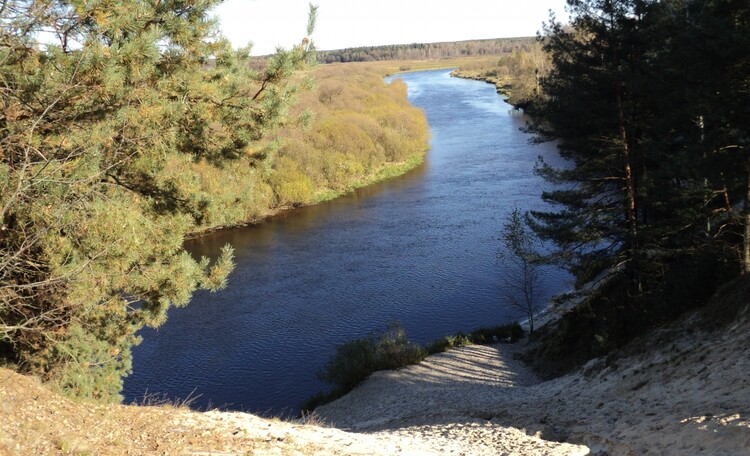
[
  {"x": 418, "y": 411},
  {"x": 690, "y": 396}
]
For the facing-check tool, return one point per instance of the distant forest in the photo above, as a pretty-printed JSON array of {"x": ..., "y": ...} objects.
[{"x": 422, "y": 51}]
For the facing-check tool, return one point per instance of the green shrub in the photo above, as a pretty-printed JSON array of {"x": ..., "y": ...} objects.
[
  {"x": 504, "y": 333},
  {"x": 355, "y": 360},
  {"x": 393, "y": 350},
  {"x": 448, "y": 342},
  {"x": 351, "y": 364}
]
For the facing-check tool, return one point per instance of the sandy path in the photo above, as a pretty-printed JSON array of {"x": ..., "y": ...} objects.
[
  {"x": 445, "y": 400},
  {"x": 690, "y": 397},
  {"x": 450, "y": 384}
]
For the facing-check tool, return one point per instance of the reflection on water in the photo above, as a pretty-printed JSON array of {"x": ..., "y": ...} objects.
[{"x": 420, "y": 249}]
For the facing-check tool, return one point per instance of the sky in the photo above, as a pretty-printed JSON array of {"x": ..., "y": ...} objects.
[{"x": 353, "y": 23}]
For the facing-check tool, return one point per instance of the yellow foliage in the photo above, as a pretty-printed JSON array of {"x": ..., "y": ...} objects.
[
  {"x": 290, "y": 185},
  {"x": 362, "y": 125}
]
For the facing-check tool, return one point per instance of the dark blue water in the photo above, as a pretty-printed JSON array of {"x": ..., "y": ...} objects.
[{"x": 420, "y": 249}]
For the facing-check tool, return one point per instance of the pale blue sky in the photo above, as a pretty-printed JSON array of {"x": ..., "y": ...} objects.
[{"x": 352, "y": 23}]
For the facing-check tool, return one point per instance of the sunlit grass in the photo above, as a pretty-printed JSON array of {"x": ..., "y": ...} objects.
[{"x": 389, "y": 171}]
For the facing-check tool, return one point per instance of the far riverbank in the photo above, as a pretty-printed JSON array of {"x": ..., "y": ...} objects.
[{"x": 384, "y": 173}]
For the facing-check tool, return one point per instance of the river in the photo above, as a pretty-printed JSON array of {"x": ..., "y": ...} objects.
[{"x": 420, "y": 249}]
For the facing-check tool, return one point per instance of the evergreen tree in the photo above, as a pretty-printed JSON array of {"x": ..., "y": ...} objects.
[
  {"x": 692, "y": 91},
  {"x": 649, "y": 102},
  {"x": 718, "y": 68},
  {"x": 98, "y": 100},
  {"x": 591, "y": 105}
]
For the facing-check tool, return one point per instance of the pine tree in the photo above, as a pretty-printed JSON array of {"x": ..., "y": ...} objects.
[
  {"x": 98, "y": 100},
  {"x": 591, "y": 106},
  {"x": 718, "y": 67},
  {"x": 648, "y": 100}
]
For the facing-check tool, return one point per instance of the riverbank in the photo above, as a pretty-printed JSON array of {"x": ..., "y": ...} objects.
[
  {"x": 688, "y": 396},
  {"x": 360, "y": 131},
  {"x": 503, "y": 86},
  {"x": 516, "y": 76},
  {"x": 389, "y": 171}
]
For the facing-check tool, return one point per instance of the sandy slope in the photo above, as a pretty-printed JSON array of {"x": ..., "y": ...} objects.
[
  {"x": 690, "y": 396},
  {"x": 447, "y": 400},
  {"x": 36, "y": 421}
]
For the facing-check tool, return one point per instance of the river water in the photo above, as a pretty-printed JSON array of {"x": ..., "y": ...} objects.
[{"x": 420, "y": 249}]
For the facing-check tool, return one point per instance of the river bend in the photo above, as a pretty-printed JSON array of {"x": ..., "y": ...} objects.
[{"x": 420, "y": 249}]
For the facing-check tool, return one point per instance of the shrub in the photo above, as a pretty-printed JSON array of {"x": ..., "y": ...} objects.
[
  {"x": 351, "y": 364},
  {"x": 290, "y": 185},
  {"x": 448, "y": 342},
  {"x": 393, "y": 350},
  {"x": 504, "y": 333},
  {"x": 355, "y": 360}
]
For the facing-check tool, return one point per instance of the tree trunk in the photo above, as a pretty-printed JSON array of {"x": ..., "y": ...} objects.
[
  {"x": 746, "y": 253},
  {"x": 630, "y": 200}
]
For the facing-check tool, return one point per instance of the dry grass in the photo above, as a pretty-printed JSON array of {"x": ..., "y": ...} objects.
[{"x": 37, "y": 421}]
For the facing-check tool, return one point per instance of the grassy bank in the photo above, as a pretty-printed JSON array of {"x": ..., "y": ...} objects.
[{"x": 389, "y": 171}]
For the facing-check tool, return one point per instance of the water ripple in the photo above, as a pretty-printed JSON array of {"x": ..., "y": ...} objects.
[{"x": 420, "y": 249}]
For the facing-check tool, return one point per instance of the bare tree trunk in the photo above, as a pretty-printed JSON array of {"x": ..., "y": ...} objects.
[
  {"x": 746, "y": 253},
  {"x": 630, "y": 200}
]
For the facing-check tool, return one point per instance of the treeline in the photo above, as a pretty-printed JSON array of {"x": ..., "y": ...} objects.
[
  {"x": 650, "y": 103},
  {"x": 426, "y": 51},
  {"x": 133, "y": 126}
]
